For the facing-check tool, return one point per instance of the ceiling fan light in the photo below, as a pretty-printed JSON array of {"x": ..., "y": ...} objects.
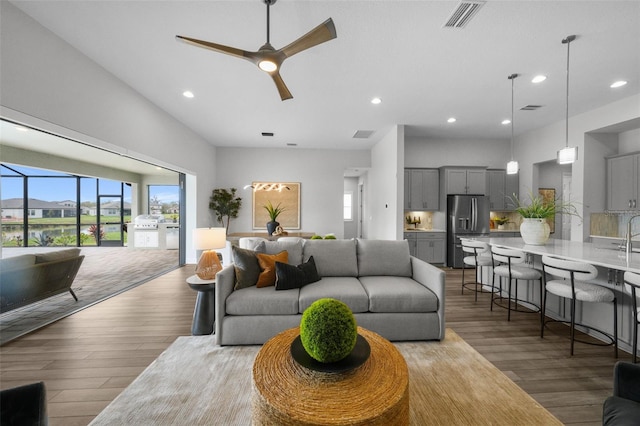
[
  {"x": 567, "y": 155},
  {"x": 512, "y": 167},
  {"x": 267, "y": 65}
]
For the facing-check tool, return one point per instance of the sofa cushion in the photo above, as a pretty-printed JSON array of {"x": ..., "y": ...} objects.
[
  {"x": 293, "y": 248},
  {"x": 383, "y": 257},
  {"x": 267, "y": 264},
  {"x": 398, "y": 294},
  {"x": 246, "y": 266},
  {"x": 345, "y": 289},
  {"x": 17, "y": 262},
  {"x": 289, "y": 276},
  {"x": 334, "y": 258},
  {"x": 263, "y": 301},
  {"x": 57, "y": 255}
]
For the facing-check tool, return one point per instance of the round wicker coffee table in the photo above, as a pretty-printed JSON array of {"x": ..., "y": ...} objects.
[{"x": 285, "y": 393}]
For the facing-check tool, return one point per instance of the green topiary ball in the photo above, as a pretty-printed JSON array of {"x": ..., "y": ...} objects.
[{"x": 328, "y": 330}]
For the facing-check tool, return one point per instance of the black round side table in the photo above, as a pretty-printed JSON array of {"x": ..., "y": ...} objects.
[{"x": 204, "y": 313}]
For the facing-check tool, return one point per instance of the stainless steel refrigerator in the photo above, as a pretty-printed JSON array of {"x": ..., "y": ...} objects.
[{"x": 467, "y": 216}]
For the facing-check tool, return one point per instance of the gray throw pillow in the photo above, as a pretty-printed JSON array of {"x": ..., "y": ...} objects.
[{"x": 246, "y": 266}]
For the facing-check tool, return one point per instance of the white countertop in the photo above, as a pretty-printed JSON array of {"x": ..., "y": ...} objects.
[
  {"x": 573, "y": 250},
  {"x": 424, "y": 230}
]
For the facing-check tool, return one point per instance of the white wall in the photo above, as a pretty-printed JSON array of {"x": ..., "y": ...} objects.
[
  {"x": 385, "y": 187},
  {"x": 629, "y": 141},
  {"x": 320, "y": 173},
  {"x": 434, "y": 153},
  {"x": 542, "y": 145},
  {"x": 47, "y": 84}
]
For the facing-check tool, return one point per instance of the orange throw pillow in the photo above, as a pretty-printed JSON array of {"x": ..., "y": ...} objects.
[{"x": 268, "y": 267}]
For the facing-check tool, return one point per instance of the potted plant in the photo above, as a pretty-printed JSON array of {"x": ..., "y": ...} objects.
[
  {"x": 273, "y": 212},
  {"x": 534, "y": 228},
  {"x": 225, "y": 204},
  {"x": 501, "y": 221}
]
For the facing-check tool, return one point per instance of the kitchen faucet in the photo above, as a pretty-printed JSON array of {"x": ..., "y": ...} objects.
[{"x": 628, "y": 245}]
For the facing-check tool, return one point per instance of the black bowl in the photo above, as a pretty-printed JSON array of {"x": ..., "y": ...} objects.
[{"x": 356, "y": 358}]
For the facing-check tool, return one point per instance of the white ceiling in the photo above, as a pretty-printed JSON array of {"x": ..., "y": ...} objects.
[{"x": 396, "y": 50}]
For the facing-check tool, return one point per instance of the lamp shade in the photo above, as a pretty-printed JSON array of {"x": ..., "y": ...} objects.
[
  {"x": 209, "y": 238},
  {"x": 567, "y": 155},
  {"x": 512, "y": 167}
]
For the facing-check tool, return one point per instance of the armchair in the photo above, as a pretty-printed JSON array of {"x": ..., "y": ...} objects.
[{"x": 623, "y": 408}]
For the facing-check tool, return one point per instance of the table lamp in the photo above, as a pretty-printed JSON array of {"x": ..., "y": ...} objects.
[{"x": 209, "y": 239}]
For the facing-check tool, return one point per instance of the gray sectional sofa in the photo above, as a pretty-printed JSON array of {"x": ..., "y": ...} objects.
[{"x": 390, "y": 292}]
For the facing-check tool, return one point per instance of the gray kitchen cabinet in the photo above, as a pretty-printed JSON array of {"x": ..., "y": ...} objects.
[
  {"x": 496, "y": 180},
  {"x": 407, "y": 189},
  {"x": 465, "y": 181},
  {"x": 511, "y": 189},
  {"x": 623, "y": 182},
  {"x": 427, "y": 246},
  {"x": 422, "y": 189},
  {"x": 501, "y": 188}
]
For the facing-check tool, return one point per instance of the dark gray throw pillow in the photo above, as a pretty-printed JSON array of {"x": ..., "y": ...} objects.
[
  {"x": 289, "y": 276},
  {"x": 247, "y": 268}
]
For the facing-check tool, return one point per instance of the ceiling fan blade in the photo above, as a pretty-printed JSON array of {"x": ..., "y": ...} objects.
[
  {"x": 215, "y": 47},
  {"x": 282, "y": 88},
  {"x": 323, "y": 32}
]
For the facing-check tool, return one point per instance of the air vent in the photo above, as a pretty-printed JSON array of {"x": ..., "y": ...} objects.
[
  {"x": 530, "y": 107},
  {"x": 463, "y": 14},
  {"x": 363, "y": 134},
  {"x": 269, "y": 134},
  {"x": 292, "y": 144}
]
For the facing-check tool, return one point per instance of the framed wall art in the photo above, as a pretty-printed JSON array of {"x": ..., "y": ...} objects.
[
  {"x": 549, "y": 196},
  {"x": 285, "y": 194}
]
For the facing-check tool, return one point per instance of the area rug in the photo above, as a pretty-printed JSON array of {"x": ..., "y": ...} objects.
[
  {"x": 195, "y": 382},
  {"x": 105, "y": 272}
]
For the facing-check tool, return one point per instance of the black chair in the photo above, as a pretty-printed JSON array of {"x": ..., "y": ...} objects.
[
  {"x": 24, "y": 405},
  {"x": 623, "y": 408}
]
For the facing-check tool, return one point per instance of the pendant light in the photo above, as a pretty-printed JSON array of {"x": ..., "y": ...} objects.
[
  {"x": 512, "y": 166},
  {"x": 567, "y": 155}
]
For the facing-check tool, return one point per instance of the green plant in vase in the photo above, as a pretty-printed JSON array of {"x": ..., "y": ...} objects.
[
  {"x": 274, "y": 212},
  {"x": 536, "y": 212}
]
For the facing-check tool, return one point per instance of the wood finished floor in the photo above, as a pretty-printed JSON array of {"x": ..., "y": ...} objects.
[{"x": 87, "y": 359}]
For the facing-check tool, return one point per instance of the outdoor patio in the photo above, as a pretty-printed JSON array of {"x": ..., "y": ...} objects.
[{"x": 105, "y": 272}]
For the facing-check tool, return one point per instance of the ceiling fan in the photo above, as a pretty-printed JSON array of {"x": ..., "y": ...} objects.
[{"x": 269, "y": 59}]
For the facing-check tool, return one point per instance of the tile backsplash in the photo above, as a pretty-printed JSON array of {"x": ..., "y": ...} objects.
[{"x": 613, "y": 224}]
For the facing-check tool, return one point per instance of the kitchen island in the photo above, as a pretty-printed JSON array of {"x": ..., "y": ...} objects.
[{"x": 611, "y": 265}]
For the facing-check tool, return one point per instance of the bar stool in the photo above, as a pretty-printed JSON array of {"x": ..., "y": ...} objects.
[
  {"x": 478, "y": 258},
  {"x": 632, "y": 285},
  {"x": 510, "y": 263},
  {"x": 573, "y": 286}
]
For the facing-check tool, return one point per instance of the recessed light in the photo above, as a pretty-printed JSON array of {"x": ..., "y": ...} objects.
[
  {"x": 22, "y": 129},
  {"x": 188, "y": 94},
  {"x": 618, "y": 83},
  {"x": 376, "y": 101},
  {"x": 451, "y": 120},
  {"x": 539, "y": 79},
  {"x": 505, "y": 122}
]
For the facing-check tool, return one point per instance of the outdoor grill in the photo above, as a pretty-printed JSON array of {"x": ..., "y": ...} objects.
[{"x": 148, "y": 221}]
